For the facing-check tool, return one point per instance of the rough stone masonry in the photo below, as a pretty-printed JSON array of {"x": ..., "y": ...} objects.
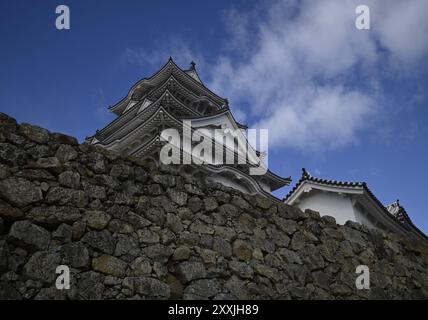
[{"x": 130, "y": 230}]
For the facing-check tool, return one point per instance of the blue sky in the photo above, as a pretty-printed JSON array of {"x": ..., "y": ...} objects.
[{"x": 344, "y": 103}]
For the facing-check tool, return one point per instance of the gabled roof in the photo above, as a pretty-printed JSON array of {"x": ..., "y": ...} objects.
[
  {"x": 151, "y": 82},
  {"x": 306, "y": 176},
  {"x": 393, "y": 211},
  {"x": 171, "y": 81},
  {"x": 134, "y": 114}
]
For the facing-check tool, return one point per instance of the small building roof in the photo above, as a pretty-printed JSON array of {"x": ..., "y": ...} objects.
[
  {"x": 306, "y": 176},
  {"x": 393, "y": 211}
]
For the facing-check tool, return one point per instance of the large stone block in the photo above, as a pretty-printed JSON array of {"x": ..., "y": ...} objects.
[
  {"x": 53, "y": 216},
  {"x": 76, "y": 255},
  {"x": 64, "y": 139},
  {"x": 8, "y": 212},
  {"x": 29, "y": 235},
  {"x": 66, "y": 153},
  {"x": 151, "y": 288},
  {"x": 20, "y": 192},
  {"x": 7, "y": 122},
  {"x": 97, "y": 220},
  {"x": 242, "y": 250},
  {"x": 34, "y": 133},
  {"x": 11, "y": 155},
  {"x": 109, "y": 265},
  {"x": 202, "y": 289},
  {"x": 42, "y": 266},
  {"x": 188, "y": 271},
  {"x": 100, "y": 241},
  {"x": 90, "y": 286}
]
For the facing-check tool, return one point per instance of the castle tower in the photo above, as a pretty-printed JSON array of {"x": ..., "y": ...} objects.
[{"x": 173, "y": 98}]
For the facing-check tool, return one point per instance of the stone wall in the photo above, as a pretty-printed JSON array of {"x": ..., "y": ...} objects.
[{"x": 128, "y": 229}]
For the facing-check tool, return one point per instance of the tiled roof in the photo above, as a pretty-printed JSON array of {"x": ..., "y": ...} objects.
[
  {"x": 394, "y": 210},
  {"x": 306, "y": 176}
]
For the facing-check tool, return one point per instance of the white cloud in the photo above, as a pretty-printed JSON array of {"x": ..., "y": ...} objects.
[
  {"x": 301, "y": 68},
  {"x": 299, "y": 62},
  {"x": 402, "y": 28},
  {"x": 320, "y": 118}
]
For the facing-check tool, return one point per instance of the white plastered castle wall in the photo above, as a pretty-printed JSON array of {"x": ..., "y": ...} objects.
[{"x": 333, "y": 204}]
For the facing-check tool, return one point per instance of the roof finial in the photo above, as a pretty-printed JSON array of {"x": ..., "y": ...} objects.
[
  {"x": 192, "y": 65},
  {"x": 305, "y": 173}
]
